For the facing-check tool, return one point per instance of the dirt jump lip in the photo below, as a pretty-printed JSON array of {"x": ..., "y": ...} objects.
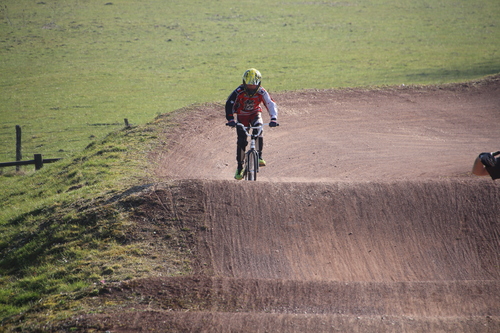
[
  {"x": 366, "y": 218},
  {"x": 373, "y": 232},
  {"x": 408, "y": 256}
]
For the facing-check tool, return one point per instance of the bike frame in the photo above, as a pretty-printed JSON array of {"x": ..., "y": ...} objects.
[{"x": 251, "y": 155}]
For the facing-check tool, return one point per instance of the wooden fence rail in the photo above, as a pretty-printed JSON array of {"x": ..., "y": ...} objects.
[{"x": 37, "y": 160}]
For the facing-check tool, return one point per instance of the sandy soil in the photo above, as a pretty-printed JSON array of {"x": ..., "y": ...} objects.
[{"x": 366, "y": 219}]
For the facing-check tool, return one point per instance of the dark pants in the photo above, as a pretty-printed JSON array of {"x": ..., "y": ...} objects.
[{"x": 241, "y": 145}]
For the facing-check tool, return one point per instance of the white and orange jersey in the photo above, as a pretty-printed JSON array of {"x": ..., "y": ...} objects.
[{"x": 244, "y": 106}]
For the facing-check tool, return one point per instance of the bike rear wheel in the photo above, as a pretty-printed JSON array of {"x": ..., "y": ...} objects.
[{"x": 252, "y": 165}]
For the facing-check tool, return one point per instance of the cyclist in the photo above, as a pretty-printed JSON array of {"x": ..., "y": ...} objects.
[
  {"x": 486, "y": 164},
  {"x": 245, "y": 103}
]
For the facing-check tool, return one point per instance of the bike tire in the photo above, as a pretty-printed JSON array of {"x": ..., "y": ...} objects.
[{"x": 252, "y": 165}]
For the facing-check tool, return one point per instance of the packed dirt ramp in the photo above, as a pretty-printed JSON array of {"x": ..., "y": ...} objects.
[{"x": 366, "y": 219}]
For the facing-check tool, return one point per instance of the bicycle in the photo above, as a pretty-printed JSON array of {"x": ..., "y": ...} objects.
[{"x": 251, "y": 159}]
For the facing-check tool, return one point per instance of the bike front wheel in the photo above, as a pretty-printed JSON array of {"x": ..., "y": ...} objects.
[{"x": 252, "y": 165}]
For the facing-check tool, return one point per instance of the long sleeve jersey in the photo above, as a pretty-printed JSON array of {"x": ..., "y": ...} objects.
[{"x": 241, "y": 104}]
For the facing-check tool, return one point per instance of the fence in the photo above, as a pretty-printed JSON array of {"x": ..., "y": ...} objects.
[{"x": 37, "y": 160}]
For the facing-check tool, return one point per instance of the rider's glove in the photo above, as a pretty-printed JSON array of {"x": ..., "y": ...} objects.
[
  {"x": 231, "y": 123},
  {"x": 273, "y": 123},
  {"x": 487, "y": 159}
]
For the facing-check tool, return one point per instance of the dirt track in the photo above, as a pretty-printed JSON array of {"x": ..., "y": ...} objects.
[{"x": 366, "y": 218}]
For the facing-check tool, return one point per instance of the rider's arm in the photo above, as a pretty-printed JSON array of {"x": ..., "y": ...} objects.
[
  {"x": 230, "y": 105},
  {"x": 271, "y": 106}
]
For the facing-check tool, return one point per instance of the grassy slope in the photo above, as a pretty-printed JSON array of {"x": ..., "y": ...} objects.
[
  {"x": 66, "y": 229},
  {"x": 71, "y": 68}
]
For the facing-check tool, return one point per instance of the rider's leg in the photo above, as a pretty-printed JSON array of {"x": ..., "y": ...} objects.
[
  {"x": 241, "y": 145},
  {"x": 260, "y": 140},
  {"x": 260, "y": 143}
]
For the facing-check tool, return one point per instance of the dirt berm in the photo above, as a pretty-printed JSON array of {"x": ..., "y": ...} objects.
[{"x": 366, "y": 219}]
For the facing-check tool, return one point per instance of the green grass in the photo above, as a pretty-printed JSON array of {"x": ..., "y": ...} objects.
[
  {"x": 66, "y": 230},
  {"x": 73, "y": 70}
]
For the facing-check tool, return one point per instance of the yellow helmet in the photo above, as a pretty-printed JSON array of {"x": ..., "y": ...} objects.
[{"x": 251, "y": 77}]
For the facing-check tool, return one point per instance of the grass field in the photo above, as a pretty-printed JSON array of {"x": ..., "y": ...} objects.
[
  {"x": 66, "y": 229},
  {"x": 73, "y": 70}
]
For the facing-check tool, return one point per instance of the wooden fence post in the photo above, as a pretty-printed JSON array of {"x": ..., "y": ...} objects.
[
  {"x": 38, "y": 161},
  {"x": 127, "y": 125},
  {"x": 19, "y": 154}
]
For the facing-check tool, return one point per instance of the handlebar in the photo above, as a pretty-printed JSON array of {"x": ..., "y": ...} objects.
[
  {"x": 248, "y": 128},
  {"x": 252, "y": 127}
]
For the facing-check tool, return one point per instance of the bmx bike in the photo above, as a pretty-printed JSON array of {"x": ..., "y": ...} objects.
[{"x": 251, "y": 161}]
